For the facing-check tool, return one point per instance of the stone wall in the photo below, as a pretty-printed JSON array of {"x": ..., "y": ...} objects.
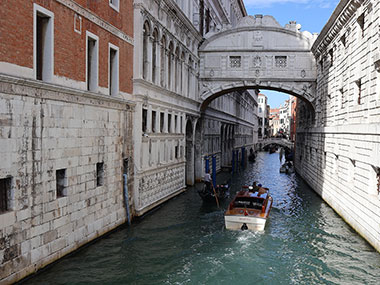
[
  {"x": 45, "y": 128},
  {"x": 338, "y": 149}
]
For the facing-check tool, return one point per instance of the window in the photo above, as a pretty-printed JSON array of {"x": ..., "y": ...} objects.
[
  {"x": 235, "y": 61},
  {"x": 163, "y": 57},
  {"x": 343, "y": 40},
  {"x": 280, "y": 61},
  {"x": 331, "y": 53},
  {"x": 154, "y": 56},
  {"x": 61, "y": 183},
  {"x": 176, "y": 154},
  {"x": 169, "y": 123},
  {"x": 361, "y": 24},
  {"x": 5, "y": 194},
  {"x": 43, "y": 43},
  {"x": 144, "y": 120},
  {"x": 99, "y": 173},
  {"x": 115, "y": 4},
  {"x": 92, "y": 61},
  {"x": 162, "y": 121},
  {"x": 342, "y": 99},
  {"x": 113, "y": 76},
  {"x": 180, "y": 125},
  {"x": 154, "y": 121},
  {"x": 359, "y": 90},
  {"x": 175, "y": 123}
]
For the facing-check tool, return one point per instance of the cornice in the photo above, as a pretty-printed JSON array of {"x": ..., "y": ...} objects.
[
  {"x": 46, "y": 90},
  {"x": 342, "y": 14}
]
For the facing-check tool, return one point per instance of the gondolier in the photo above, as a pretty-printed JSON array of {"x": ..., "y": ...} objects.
[{"x": 207, "y": 180}]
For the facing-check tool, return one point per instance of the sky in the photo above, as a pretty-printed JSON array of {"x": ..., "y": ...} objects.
[{"x": 311, "y": 14}]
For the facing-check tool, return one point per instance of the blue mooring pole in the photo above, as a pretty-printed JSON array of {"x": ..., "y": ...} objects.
[
  {"x": 207, "y": 165},
  {"x": 126, "y": 197},
  {"x": 214, "y": 170}
]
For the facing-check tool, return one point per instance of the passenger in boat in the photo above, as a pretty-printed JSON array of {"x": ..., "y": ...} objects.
[
  {"x": 255, "y": 188},
  {"x": 207, "y": 180}
]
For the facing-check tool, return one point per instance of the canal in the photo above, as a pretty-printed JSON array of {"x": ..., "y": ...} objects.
[{"x": 185, "y": 242}]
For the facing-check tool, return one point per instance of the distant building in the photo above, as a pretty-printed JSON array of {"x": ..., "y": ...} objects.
[
  {"x": 274, "y": 122},
  {"x": 293, "y": 118},
  {"x": 263, "y": 116}
]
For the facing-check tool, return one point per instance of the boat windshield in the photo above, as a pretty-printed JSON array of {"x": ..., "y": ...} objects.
[{"x": 248, "y": 202}]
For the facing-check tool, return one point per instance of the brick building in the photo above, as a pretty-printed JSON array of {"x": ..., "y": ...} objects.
[{"x": 65, "y": 126}]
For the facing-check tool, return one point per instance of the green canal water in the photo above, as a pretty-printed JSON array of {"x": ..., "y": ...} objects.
[{"x": 185, "y": 242}]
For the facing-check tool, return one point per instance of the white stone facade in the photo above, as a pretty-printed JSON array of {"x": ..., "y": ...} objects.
[
  {"x": 170, "y": 143},
  {"x": 338, "y": 151}
]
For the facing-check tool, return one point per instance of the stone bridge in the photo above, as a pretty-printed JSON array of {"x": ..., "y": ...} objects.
[
  {"x": 279, "y": 141},
  {"x": 258, "y": 53}
]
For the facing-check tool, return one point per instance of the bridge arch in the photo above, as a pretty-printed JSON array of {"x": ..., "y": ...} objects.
[{"x": 258, "y": 53}]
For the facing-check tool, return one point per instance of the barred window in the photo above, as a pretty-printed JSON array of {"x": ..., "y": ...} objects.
[
  {"x": 5, "y": 189},
  {"x": 235, "y": 61},
  {"x": 280, "y": 61}
]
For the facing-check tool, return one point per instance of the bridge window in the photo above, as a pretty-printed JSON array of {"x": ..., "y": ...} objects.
[
  {"x": 235, "y": 61},
  {"x": 280, "y": 61}
]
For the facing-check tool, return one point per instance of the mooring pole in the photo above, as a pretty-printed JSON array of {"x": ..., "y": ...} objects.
[{"x": 214, "y": 170}]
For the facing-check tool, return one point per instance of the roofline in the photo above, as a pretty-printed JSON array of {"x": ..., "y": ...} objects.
[
  {"x": 242, "y": 7},
  {"x": 328, "y": 32}
]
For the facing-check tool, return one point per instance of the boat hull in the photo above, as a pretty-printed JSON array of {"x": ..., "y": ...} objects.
[{"x": 239, "y": 222}]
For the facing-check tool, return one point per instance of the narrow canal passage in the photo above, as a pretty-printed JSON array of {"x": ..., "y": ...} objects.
[{"x": 184, "y": 242}]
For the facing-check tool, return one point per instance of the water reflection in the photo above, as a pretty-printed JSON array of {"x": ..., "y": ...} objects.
[{"x": 185, "y": 242}]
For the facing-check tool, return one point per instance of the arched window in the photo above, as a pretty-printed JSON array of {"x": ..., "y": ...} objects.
[
  {"x": 181, "y": 72},
  {"x": 170, "y": 65},
  {"x": 163, "y": 60},
  {"x": 154, "y": 56},
  {"x": 189, "y": 76},
  {"x": 146, "y": 33},
  {"x": 176, "y": 71}
]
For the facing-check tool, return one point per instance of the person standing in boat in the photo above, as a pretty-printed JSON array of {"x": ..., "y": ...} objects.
[{"x": 207, "y": 180}]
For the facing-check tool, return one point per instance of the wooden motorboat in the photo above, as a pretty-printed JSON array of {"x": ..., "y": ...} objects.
[
  {"x": 249, "y": 209},
  {"x": 208, "y": 195}
]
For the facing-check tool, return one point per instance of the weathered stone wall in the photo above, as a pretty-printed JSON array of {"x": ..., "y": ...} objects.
[
  {"x": 45, "y": 128},
  {"x": 338, "y": 153}
]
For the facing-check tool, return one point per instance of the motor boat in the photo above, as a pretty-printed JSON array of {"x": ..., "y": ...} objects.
[{"x": 249, "y": 209}]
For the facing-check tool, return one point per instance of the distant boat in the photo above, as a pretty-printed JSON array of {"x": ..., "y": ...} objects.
[
  {"x": 249, "y": 210},
  {"x": 287, "y": 167}
]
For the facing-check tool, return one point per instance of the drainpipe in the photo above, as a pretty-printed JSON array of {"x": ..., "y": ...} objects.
[{"x": 126, "y": 197}]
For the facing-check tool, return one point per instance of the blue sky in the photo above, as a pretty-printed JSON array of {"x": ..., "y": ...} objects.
[{"x": 311, "y": 14}]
